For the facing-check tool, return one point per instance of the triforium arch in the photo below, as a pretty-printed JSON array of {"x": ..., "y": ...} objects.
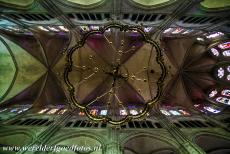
[
  {"x": 15, "y": 138},
  {"x": 97, "y": 143},
  {"x": 213, "y": 143},
  {"x": 155, "y": 143}
]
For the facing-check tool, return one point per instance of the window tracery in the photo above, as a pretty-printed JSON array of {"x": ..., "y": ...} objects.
[
  {"x": 223, "y": 72},
  {"x": 221, "y": 50},
  {"x": 220, "y": 72},
  {"x": 225, "y": 45},
  {"x": 220, "y": 96}
]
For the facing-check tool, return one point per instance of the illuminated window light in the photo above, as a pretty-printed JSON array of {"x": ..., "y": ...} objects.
[
  {"x": 135, "y": 31},
  {"x": 146, "y": 114},
  {"x": 168, "y": 30},
  {"x": 211, "y": 109},
  {"x": 228, "y": 68},
  {"x": 53, "y": 29},
  {"x": 177, "y": 30},
  {"x": 223, "y": 100},
  {"x": 187, "y": 31},
  {"x": 108, "y": 30},
  {"x": 165, "y": 112},
  {"x": 81, "y": 113},
  {"x": 84, "y": 28},
  {"x": 225, "y": 92},
  {"x": 226, "y": 53},
  {"x": 213, "y": 93},
  {"x": 43, "y": 110},
  {"x": 14, "y": 110},
  {"x": 173, "y": 112},
  {"x": 214, "y": 35},
  {"x": 8, "y": 29},
  {"x": 23, "y": 110},
  {"x": 123, "y": 112},
  {"x": 62, "y": 111},
  {"x": 183, "y": 112},
  {"x": 13, "y": 28},
  {"x": 228, "y": 77},
  {"x": 220, "y": 72},
  {"x": 42, "y": 28},
  {"x": 225, "y": 45},
  {"x": 63, "y": 28},
  {"x": 199, "y": 39},
  {"x": 215, "y": 52},
  {"x": 147, "y": 29},
  {"x": 3, "y": 110},
  {"x": 52, "y": 111},
  {"x": 95, "y": 27},
  {"x": 93, "y": 112},
  {"x": 103, "y": 112},
  {"x": 133, "y": 112}
]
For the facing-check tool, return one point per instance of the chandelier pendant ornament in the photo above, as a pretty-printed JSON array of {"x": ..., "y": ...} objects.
[{"x": 117, "y": 70}]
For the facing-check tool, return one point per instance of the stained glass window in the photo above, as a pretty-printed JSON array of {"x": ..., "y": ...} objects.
[
  {"x": 183, "y": 112},
  {"x": 43, "y": 28},
  {"x": 228, "y": 77},
  {"x": 177, "y": 30},
  {"x": 211, "y": 109},
  {"x": 223, "y": 100},
  {"x": 225, "y": 92},
  {"x": 225, "y": 45},
  {"x": 103, "y": 112},
  {"x": 84, "y": 28},
  {"x": 95, "y": 27},
  {"x": 62, "y": 111},
  {"x": 228, "y": 68},
  {"x": 94, "y": 112},
  {"x": 168, "y": 30},
  {"x": 53, "y": 29},
  {"x": 187, "y": 31},
  {"x": 223, "y": 73},
  {"x": 214, "y": 35},
  {"x": 123, "y": 112},
  {"x": 3, "y": 110},
  {"x": 199, "y": 39},
  {"x": 43, "y": 110},
  {"x": 133, "y": 112},
  {"x": 81, "y": 113},
  {"x": 174, "y": 112},
  {"x": 22, "y": 110},
  {"x": 63, "y": 28},
  {"x": 165, "y": 112},
  {"x": 215, "y": 52},
  {"x": 147, "y": 29},
  {"x": 213, "y": 93},
  {"x": 220, "y": 72},
  {"x": 226, "y": 53},
  {"x": 221, "y": 96},
  {"x": 52, "y": 111}
]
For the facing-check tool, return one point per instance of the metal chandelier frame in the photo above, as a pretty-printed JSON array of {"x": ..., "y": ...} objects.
[{"x": 69, "y": 64}]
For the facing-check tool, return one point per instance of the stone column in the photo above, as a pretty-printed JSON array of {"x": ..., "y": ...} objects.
[
  {"x": 113, "y": 146},
  {"x": 187, "y": 146}
]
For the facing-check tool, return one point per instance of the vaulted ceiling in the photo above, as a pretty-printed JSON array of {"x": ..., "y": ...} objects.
[{"x": 36, "y": 62}]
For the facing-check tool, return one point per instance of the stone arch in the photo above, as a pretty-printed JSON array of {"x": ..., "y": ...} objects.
[
  {"x": 18, "y": 138},
  {"x": 77, "y": 138},
  {"x": 151, "y": 4},
  {"x": 213, "y": 143},
  {"x": 141, "y": 143},
  {"x": 81, "y": 4}
]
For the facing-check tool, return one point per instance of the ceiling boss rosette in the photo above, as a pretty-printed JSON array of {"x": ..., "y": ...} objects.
[{"x": 115, "y": 74}]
